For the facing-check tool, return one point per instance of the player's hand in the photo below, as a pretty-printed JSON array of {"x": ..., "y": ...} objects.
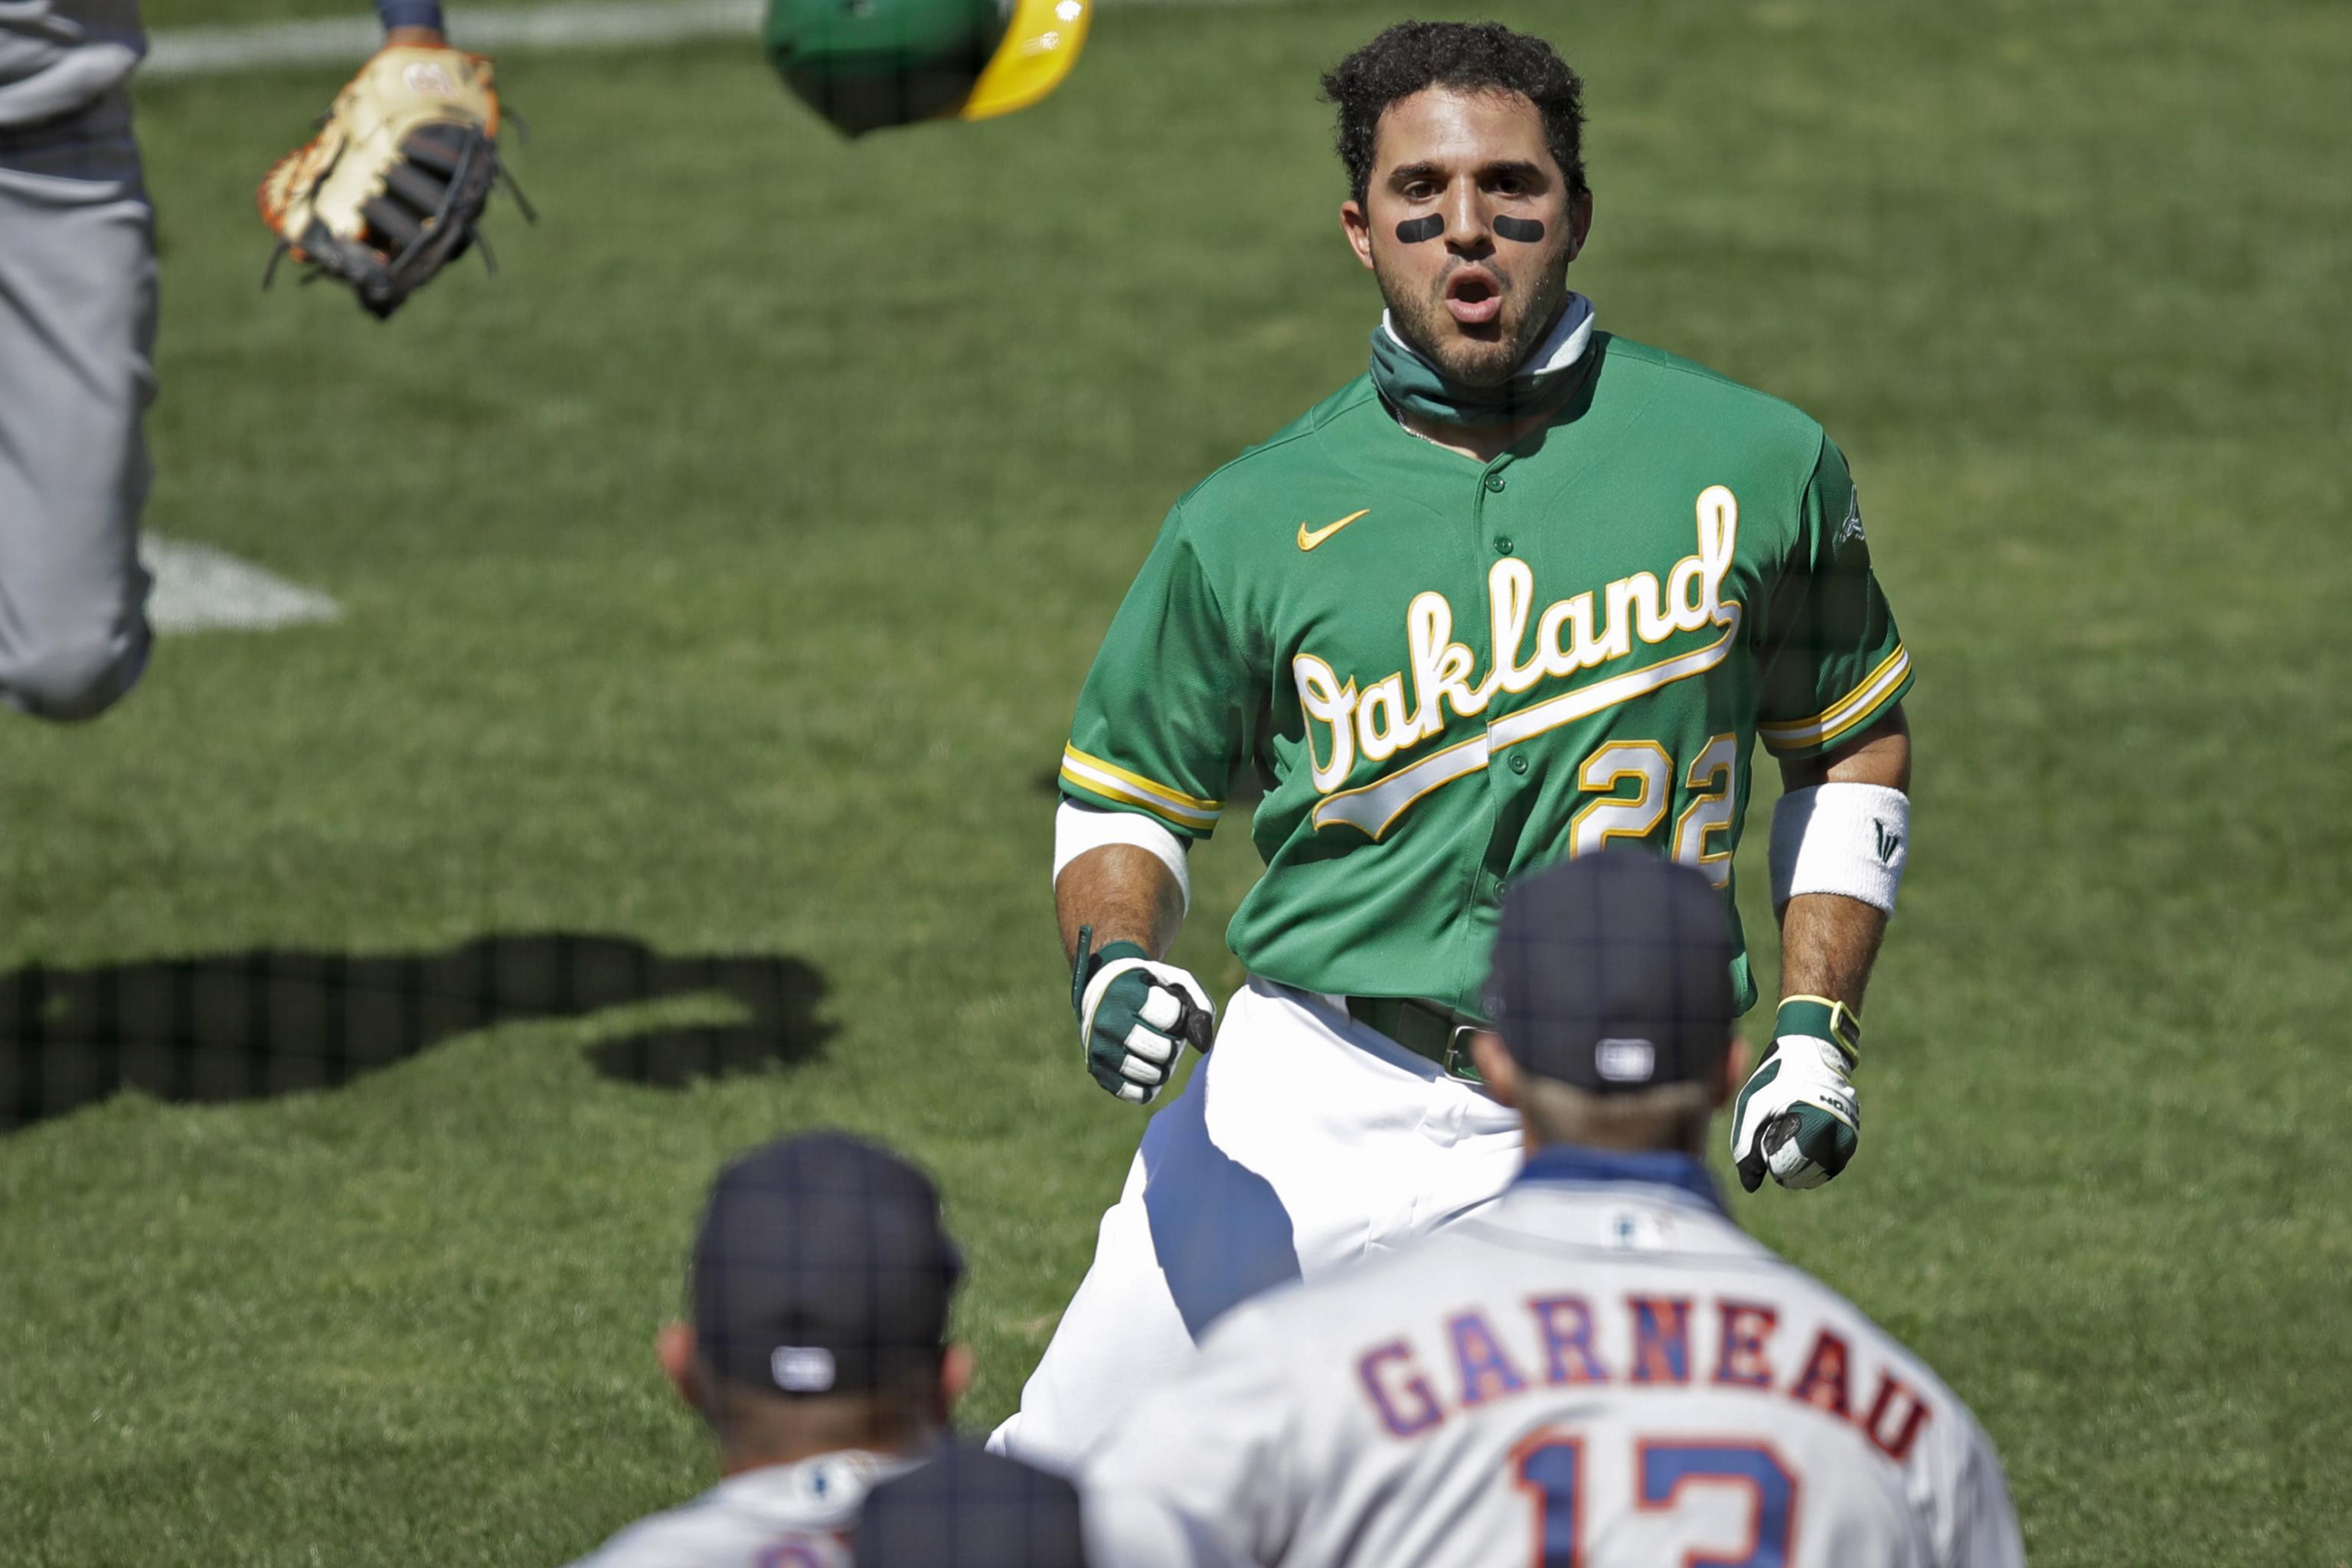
[
  {"x": 392, "y": 187},
  {"x": 1134, "y": 1016},
  {"x": 1798, "y": 1118}
]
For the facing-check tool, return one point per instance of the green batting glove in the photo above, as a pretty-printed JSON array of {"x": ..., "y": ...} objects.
[
  {"x": 1134, "y": 1016},
  {"x": 1798, "y": 1117}
]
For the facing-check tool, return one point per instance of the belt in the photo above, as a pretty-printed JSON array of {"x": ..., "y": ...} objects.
[{"x": 1425, "y": 1028}]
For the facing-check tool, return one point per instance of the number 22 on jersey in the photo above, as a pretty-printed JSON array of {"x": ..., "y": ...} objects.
[
  {"x": 1549, "y": 1467},
  {"x": 1702, "y": 832}
]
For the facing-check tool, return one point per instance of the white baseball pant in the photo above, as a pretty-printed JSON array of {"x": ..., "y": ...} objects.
[{"x": 1303, "y": 1142}]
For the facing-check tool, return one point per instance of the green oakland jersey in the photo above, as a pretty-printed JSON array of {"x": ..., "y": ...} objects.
[{"x": 1452, "y": 673}]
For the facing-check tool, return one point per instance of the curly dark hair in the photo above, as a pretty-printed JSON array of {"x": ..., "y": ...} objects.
[{"x": 1468, "y": 57}]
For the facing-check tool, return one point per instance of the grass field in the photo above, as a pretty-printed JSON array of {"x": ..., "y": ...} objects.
[{"x": 721, "y": 576}]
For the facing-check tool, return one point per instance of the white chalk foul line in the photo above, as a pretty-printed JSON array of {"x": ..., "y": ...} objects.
[
  {"x": 200, "y": 589},
  {"x": 572, "y": 25},
  {"x": 567, "y": 24}
]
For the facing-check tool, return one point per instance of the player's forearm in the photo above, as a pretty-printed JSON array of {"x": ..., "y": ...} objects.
[
  {"x": 1125, "y": 893},
  {"x": 1829, "y": 941}
]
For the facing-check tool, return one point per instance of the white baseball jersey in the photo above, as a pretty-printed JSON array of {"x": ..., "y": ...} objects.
[
  {"x": 1599, "y": 1370},
  {"x": 780, "y": 1515}
]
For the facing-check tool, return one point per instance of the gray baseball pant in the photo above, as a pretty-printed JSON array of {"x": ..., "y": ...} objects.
[{"x": 77, "y": 372}]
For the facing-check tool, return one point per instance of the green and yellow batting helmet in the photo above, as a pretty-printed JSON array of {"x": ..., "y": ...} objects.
[{"x": 865, "y": 64}]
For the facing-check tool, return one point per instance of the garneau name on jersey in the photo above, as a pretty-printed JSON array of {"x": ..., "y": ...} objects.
[
  {"x": 1556, "y": 1340},
  {"x": 1452, "y": 673}
]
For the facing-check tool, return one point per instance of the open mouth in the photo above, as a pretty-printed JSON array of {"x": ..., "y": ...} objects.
[{"x": 1472, "y": 296}]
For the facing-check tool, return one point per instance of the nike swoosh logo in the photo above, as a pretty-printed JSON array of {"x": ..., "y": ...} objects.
[{"x": 1309, "y": 538}]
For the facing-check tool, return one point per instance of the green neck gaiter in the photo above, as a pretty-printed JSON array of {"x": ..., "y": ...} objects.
[{"x": 1550, "y": 376}]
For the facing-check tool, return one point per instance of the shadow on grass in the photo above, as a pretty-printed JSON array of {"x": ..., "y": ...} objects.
[{"x": 246, "y": 1026}]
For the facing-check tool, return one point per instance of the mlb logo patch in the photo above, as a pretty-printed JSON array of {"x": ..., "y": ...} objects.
[
  {"x": 1625, "y": 1061},
  {"x": 802, "y": 1369}
]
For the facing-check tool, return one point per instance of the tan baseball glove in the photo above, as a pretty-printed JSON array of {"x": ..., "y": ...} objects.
[{"x": 391, "y": 189}]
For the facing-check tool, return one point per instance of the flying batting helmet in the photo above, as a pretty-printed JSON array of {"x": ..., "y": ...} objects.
[{"x": 865, "y": 64}]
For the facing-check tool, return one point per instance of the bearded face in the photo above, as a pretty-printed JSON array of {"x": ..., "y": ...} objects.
[{"x": 1468, "y": 225}]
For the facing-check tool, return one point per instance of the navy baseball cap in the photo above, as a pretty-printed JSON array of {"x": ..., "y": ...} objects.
[
  {"x": 821, "y": 1267},
  {"x": 971, "y": 1509},
  {"x": 1613, "y": 973}
]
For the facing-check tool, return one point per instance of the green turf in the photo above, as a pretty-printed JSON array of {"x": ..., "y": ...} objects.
[{"x": 722, "y": 576}]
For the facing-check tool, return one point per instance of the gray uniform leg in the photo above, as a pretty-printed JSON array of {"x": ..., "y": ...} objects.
[{"x": 77, "y": 372}]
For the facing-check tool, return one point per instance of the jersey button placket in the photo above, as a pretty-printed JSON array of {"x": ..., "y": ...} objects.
[{"x": 1492, "y": 485}]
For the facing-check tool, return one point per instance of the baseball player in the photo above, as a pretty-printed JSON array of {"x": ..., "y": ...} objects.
[
  {"x": 1525, "y": 591},
  {"x": 78, "y": 300},
  {"x": 1600, "y": 1369},
  {"x": 816, "y": 1350}
]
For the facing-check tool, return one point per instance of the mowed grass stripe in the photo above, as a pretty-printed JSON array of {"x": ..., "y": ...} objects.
[{"x": 192, "y": 51}]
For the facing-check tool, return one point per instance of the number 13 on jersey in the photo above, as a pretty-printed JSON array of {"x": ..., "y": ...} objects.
[{"x": 1549, "y": 1467}]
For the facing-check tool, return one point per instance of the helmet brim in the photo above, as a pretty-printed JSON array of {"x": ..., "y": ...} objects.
[{"x": 1037, "y": 51}]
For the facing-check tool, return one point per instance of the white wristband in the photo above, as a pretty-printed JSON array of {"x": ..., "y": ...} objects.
[
  {"x": 1849, "y": 838},
  {"x": 1078, "y": 828}
]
